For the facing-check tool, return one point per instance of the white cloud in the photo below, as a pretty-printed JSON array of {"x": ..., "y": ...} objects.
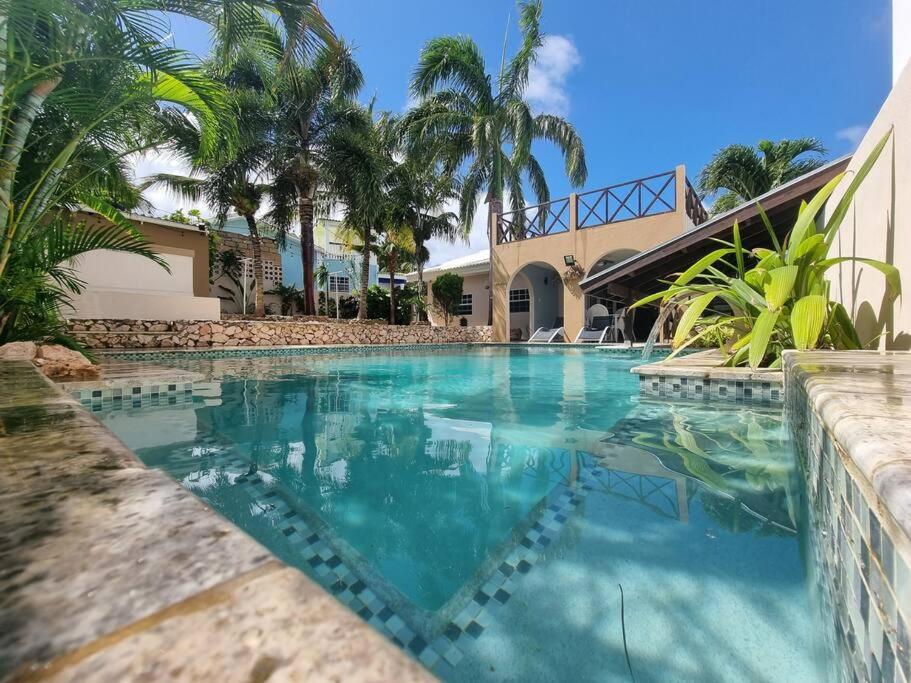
[
  {"x": 852, "y": 135},
  {"x": 441, "y": 250},
  {"x": 161, "y": 198},
  {"x": 546, "y": 89}
]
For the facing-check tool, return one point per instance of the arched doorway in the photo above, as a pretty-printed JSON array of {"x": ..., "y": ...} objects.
[
  {"x": 535, "y": 300},
  {"x": 605, "y": 297}
]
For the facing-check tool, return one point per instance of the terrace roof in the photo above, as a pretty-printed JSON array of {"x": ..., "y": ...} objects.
[{"x": 643, "y": 273}]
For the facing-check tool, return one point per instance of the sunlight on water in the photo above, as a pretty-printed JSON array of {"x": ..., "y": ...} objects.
[{"x": 493, "y": 501}]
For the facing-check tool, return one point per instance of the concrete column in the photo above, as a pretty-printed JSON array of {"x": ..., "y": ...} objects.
[{"x": 573, "y": 212}]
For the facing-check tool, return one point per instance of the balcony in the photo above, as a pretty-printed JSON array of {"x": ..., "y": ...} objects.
[{"x": 650, "y": 196}]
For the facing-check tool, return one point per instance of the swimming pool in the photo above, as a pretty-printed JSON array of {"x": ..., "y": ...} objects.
[{"x": 512, "y": 513}]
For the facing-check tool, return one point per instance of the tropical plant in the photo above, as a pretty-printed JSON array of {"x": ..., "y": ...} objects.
[
  {"x": 739, "y": 173},
  {"x": 462, "y": 118},
  {"x": 447, "y": 294},
  {"x": 321, "y": 279},
  {"x": 312, "y": 99},
  {"x": 782, "y": 300},
  {"x": 357, "y": 164},
  {"x": 394, "y": 251},
  {"x": 83, "y": 88},
  {"x": 232, "y": 183},
  {"x": 288, "y": 294}
]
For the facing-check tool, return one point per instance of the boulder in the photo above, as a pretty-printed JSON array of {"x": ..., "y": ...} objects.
[
  {"x": 22, "y": 350},
  {"x": 59, "y": 362}
]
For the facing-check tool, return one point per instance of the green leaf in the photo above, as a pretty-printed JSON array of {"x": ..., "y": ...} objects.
[
  {"x": 690, "y": 316},
  {"x": 807, "y": 215},
  {"x": 762, "y": 333},
  {"x": 700, "y": 265},
  {"x": 756, "y": 277},
  {"x": 841, "y": 210},
  {"x": 809, "y": 244},
  {"x": 768, "y": 226},
  {"x": 807, "y": 319},
  {"x": 841, "y": 329},
  {"x": 738, "y": 249},
  {"x": 779, "y": 286},
  {"x": 892, "y": 274}
]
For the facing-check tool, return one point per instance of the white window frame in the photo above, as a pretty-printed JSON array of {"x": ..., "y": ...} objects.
[
  {"x": 467, "y": 300},
  {"x": 339, "y": 283}
]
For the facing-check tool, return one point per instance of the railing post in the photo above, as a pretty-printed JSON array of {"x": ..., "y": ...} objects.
[{"x": 573, "y": 212}]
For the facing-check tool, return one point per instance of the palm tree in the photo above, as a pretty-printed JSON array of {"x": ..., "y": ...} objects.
[
  {"x": 358, "y": 161},
  {"x": 321, "y": 279},
  {"x": 289, "y": 294},
  {"x": 311, "y": 99},
  {"x": 741, "y": 173},
  {"x": 394, "y": 251},
  {"x": 466, "y": 122},
  {"x": 420, "y": 193},
  {"x": 83, "y": 88},
  {"x": 233, "y": 183}
]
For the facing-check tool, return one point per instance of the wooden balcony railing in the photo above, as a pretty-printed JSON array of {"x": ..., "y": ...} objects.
[
  {"x": 534, "y": 221},
  {"x": 633, "y": 199},
  {"x": 630, "y": 200}
]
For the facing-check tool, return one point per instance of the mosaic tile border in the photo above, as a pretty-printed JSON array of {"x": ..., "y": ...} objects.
[
  {"x": 866, "y": 584},
  {"x": 257, "y": 352},
  {"x": 448, "y": 644},
  {"x": 751, "y": 392},
  {"x": 130, "y": 392}
]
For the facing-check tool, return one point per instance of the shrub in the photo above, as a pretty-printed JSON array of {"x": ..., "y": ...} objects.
[
  {"x": 447, "y": 294},
  {"x": 782, "y": 301}
]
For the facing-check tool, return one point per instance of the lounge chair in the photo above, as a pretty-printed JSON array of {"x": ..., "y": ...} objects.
[
  {"x": 549, "y": 335},
  {"x": 595, "y": 331}
]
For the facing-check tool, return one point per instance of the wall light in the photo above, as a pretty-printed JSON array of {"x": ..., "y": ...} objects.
[{"x": 569, "y": 260}]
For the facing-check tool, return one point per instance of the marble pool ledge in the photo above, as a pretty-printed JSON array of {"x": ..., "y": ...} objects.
[{"x": 112, "y": 571}]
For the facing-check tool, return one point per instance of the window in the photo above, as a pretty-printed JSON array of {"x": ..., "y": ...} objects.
[
  {"x": 465, "y": 306},
  {"x": 339, "y": 283},
  {"x": 518, "y": 301}
]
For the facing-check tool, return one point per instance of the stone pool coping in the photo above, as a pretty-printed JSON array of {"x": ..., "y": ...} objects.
[
  {"x": 698, "y": 376},
  {"x": 863, "y": 400},
  {"x": 112, "y": 571}
]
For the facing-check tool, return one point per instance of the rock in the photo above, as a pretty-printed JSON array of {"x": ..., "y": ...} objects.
[
  {"x": 22, "y": 350},
  {"x": 59, "y": 362}
]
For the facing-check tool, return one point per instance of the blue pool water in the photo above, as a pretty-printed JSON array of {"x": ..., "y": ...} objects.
[{"x": 512, "y": 513}]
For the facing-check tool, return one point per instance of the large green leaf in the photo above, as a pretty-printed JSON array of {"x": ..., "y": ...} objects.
[
  {"x": 686, "y": 276},
  {"x": 690, "y": 316},
  {"x": 892, "y": 274},
  {"x": 738, "y": 250},
  {"x": 808, "y": 215},
  {"x": 807, "y": 319},
  {"x": 779, "y": 286},
  {"x": 841, "y": 210},
  {"x": 762, "y": 333},
  {"x": 841, "y": 329}
]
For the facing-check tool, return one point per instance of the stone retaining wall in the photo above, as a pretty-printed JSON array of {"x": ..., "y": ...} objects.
[{"x": 145, "y": 334}]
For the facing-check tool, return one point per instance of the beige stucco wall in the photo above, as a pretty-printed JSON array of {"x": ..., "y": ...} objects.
[
  {"x": 878, "y": 226},
  {"x": 587, "y": 246},
  {"x": 474, "y": 284},
  {"x": 119, "y": 285}
]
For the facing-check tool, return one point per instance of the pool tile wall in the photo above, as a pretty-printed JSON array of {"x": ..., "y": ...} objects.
[
  {"x": 863, "y": 547},
  {"x": 747, "y": 391}
]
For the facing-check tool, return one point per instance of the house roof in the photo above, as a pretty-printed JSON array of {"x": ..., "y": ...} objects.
[
  {"x": 643, "y": 272},
  {"x": 478, "y": 262}
]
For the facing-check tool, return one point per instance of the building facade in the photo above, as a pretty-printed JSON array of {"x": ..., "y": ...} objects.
[{"x": 119, "y": 285}]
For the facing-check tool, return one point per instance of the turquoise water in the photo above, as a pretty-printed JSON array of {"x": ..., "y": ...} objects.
[{"x": 512, "y": 514}]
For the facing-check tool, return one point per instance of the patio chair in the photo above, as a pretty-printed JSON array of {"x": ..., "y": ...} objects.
[
  {"x": 549, "y": 335},
  {"x": 596, "y": 331}
]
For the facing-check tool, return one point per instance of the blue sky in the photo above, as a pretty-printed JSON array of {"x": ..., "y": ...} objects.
[{"x": 649, "y": 85}]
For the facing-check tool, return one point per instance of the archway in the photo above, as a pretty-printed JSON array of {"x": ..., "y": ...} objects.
[
  {"x": 604, "y": 298},
  {"x": 535, "y": 300}
]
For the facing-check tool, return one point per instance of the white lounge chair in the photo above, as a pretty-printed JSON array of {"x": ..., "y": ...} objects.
[{"x": 549, "y": 335}]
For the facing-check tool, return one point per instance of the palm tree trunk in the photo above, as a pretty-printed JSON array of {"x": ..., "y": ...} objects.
[
  {"x": 259, "y": 307},
  {"x": 417, "y": 312},
  {"x": 365, "y": 276},
  {"x": 494, "y": 206},
  {"x": 305, "y": 213},
  {"x": 392, "y": 267}
]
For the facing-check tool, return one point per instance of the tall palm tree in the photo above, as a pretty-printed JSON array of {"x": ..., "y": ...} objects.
[
  {"x": 467, "y": 122},
  {"x": 739, "y": 173},
  {"x": 420, "y": 194},
  {"x": 83, "y": 87},
  {"x": 358, "y": 161},
  {"x": 311, "y": 97},
  {"x": 234, "y": 183}
]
